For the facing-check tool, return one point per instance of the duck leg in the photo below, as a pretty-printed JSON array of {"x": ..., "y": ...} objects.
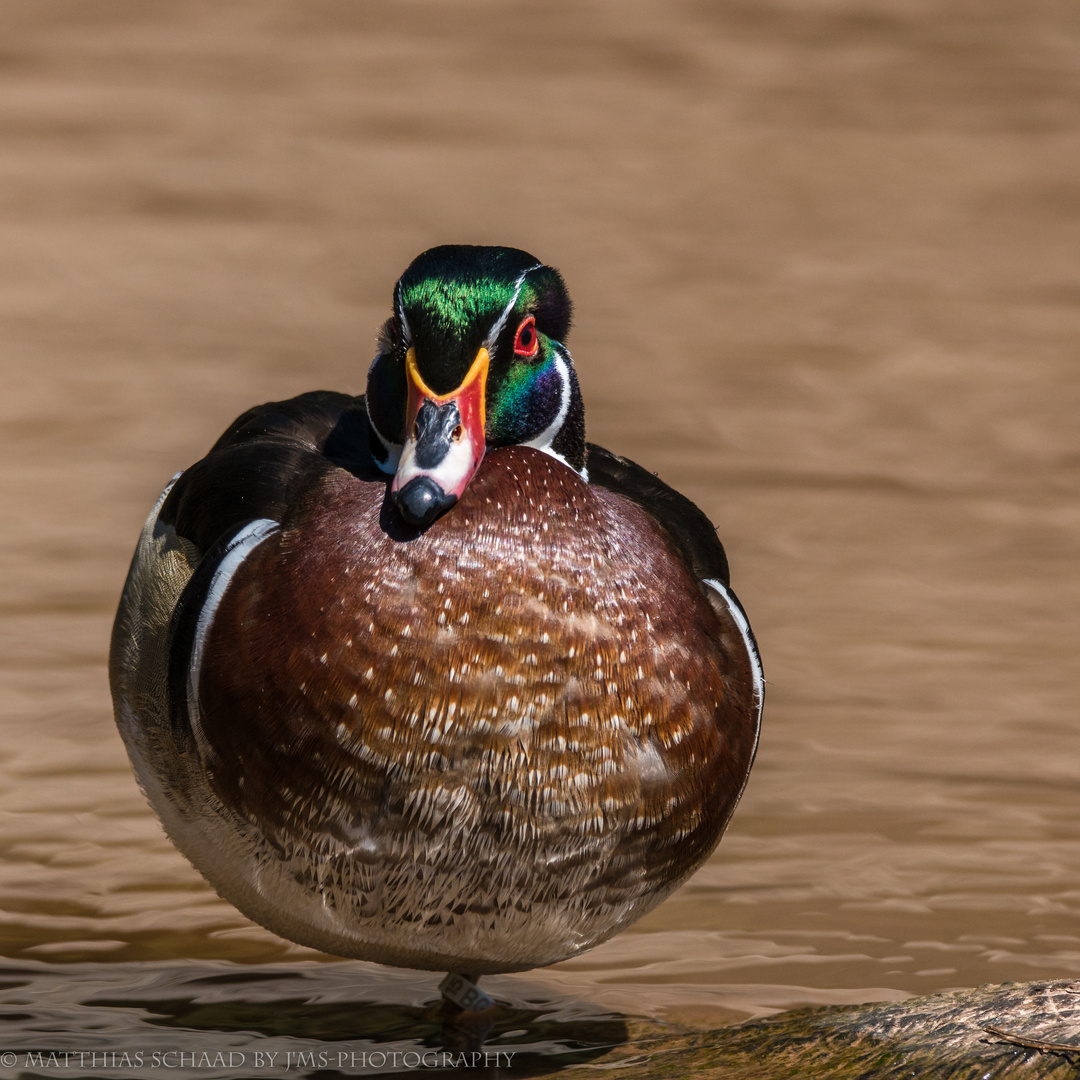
[
  {"x": 462, "y": 991},
  {"x": 467, "y": 1013}
]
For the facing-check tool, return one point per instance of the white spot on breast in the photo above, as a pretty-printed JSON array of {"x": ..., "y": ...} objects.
[{"x": 648, "y": 761}]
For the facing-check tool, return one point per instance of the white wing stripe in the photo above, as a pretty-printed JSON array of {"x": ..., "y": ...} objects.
[
  {"x": 748, "y": 638},
  {"x": 237, "y": 550}
]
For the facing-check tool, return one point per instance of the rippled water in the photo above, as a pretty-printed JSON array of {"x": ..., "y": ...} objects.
[{"x": 824, "y": 259}]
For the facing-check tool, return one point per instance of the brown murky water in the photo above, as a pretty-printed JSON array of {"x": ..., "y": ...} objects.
[{"x": 824, "y": 257}]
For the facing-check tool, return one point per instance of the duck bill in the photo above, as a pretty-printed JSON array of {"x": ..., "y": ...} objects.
[{"x": 444, "y": 444}]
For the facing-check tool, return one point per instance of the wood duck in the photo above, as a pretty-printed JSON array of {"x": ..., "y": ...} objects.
[{"x": 421, "y": 677}]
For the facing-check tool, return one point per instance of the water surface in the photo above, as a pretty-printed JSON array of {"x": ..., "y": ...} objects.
[{"x": 824, "y": 263}]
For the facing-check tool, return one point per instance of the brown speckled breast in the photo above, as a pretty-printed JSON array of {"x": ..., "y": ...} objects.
[{"x": 501, "y": 739}]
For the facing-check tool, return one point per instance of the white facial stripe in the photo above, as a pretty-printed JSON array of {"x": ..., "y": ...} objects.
[
  {"x": 748, "y": 637},
  {"x": 544, "y": 439},
  {"x": 406, "y": 332},
  {"x": 393, "y": 450},
  {"x": 238, "y": 549},
  {"x": 497, "y": 329}
]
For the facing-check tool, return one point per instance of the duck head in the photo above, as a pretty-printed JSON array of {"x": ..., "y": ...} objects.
[{"x": 472, "y": 358}]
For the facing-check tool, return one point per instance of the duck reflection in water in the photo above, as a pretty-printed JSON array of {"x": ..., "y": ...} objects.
[{"x": 422, "y": 677}]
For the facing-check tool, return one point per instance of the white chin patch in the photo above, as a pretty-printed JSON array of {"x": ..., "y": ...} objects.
[{"x": 452, "y": 473}]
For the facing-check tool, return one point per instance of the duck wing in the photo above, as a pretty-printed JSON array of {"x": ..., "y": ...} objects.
[
  {"x": 690, "y": 531},
  {"x": 263, "y": 459}
]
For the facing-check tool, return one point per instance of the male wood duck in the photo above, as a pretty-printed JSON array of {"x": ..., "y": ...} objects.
[{"x": 421, "y": 677}]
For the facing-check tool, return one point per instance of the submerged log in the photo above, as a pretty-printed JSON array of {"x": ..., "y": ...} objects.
[{"x": 993, "y": 1032}]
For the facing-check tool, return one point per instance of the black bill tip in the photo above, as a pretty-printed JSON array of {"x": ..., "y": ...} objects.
[{"x": 421, "y": 501}]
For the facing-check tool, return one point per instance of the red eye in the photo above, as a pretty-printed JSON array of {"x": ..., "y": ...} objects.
[{"x": 527, "y": 343}]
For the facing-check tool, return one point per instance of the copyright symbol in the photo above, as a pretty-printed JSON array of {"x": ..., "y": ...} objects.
[{"x": 8, "y": 1059}]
